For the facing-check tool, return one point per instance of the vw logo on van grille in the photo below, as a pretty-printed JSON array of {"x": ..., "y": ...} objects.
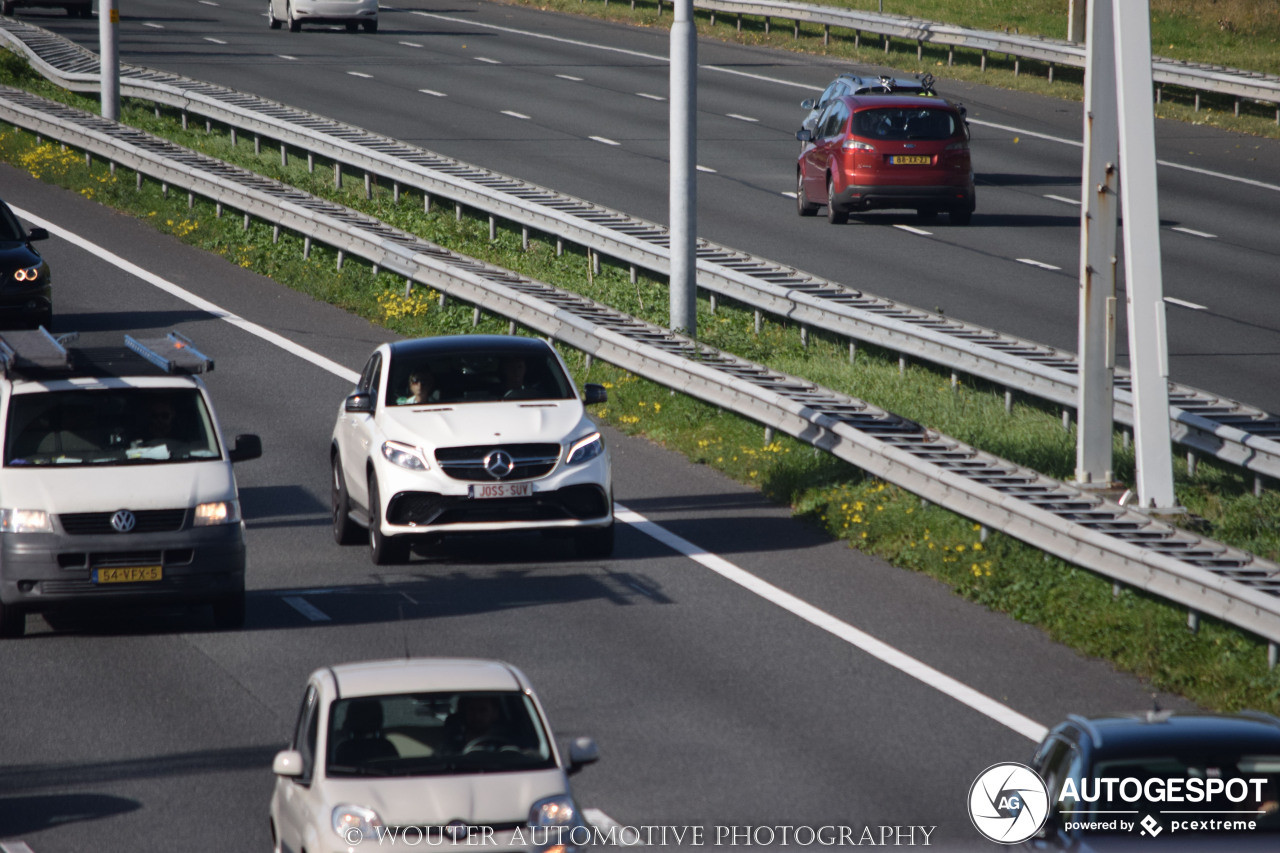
[
  {"x": 499, "y": 464},
  {"x": 123, "y": 521}
]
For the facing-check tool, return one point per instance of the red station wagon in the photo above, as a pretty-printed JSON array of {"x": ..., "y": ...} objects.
[{"x": 886, "y": 151}]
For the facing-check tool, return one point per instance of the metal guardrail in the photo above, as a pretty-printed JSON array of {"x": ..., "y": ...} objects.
[
  {"x": 1228, "y": 430},
  {"x": 1059, "y": 518},
  {"x": 1218, "y": 79}
]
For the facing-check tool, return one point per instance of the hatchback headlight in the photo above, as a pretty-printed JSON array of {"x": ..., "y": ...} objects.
[
  {"x": 404, "y": 455},
  {"x": 584, "y": 449},
  {"x": 217, "y": 512},
  {"x": 25, "y": 521},
  {"x": 29, "y": 274},
  {"x": 554, "y": 811},
  {"x": 354, "y": 824}
]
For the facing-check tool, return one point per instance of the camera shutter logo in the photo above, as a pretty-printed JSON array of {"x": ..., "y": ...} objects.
[
  {"x": 1008, "y": 803},
  {"x": 123, "y": 521}
]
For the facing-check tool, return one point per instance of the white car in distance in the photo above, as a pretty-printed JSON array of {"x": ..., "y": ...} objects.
[
  {"x": 353, "y": 13},
  {"x": 468, "y": 434},
  {"x": 445, "y": 753}
]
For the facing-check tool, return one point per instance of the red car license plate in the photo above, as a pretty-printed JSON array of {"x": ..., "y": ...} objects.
[
  {"x": 910, "y": 160},
  {"x": 501, "y": 490}
]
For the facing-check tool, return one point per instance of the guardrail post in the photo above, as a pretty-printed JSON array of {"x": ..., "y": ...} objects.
[
  {"x": 234, "y": 138},
  {"x": 1066, "y": 419},
  {"x": 88, "y": 160},
  {"x": 311, "y": 161},
  {"x": 246, "y": 222},
  {"x": 368, "y": 187},
  {"x": 739, "y": 22},
  {"x": 1016, "y": 65},
  {"x": 457, "y": 212},
  {"x": 217, "y": 210},
  {"x": 804, "y": 337},
  {"x": 1237, "y": 108},
  {"x": 337, "y": 176},
  {"x": 955, "y": 380},
  {"x": 374, "y": 270},
  {"x": 902, "y": 365},
  {"x": 757, "y": 321},
  {"x": 1116, "y": 589},
  {"x": 341, "y": 257},
  {"x": 857, "y": 39},
  {"x": 164, "y": 189},
  {"x": 635, "y": 276},
  {"x": 919, "y": 50},
  {"x": 766, "y": 24},
  {"x": 443, "y": 299},
  {"x": 559, "y": 247},
  {"x": 208, "y": 125},
  {"x": 395, "y": 192},
  {"x": 826, "y": 34},
  {"x": 853, "y": 350},
  {"x": 524, "y": 243},
  {"x": 184, "y": 119},
  {"x": 1050, "y": 72},
  {"x": 493, "y": 229},
  {"x": 886, "y": 44},
  {"x": 768, "y": 436},
  {"x": 257, "y": 145},
  {"x": 983, "y": 65},
  {"x": 713, "y": 17},
  {"x": 475, "y": 316},
  {"x": 1197, "y": 102},
  {"x": 275, "y": 233},
  {"x": 1191, "y": 464},
  {"x": 408, "y": 286},
  {"x": 306, "y": 248},
  {"x": 1193, "y": 622},
  {"x": 284, "y": 155},
  {"x": 511, "y": 328},
  {"x": 111, "y": 167},
  {"x": 951, "y": 55},
  {"x": 795, "y": 33},
  {"x": 714, "y": 302},
  {"x": 191, "y": 200},
  {"x": 426, "y": 202}
]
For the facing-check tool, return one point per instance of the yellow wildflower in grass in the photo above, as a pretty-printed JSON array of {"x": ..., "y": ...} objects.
[
  {"x": 657, "y": 407},
  {"x": 959, "y": 549},
  {"x": 977, "y": 546},
  {"x": 977, "y": 572},
  {"x": 629, "y": 419}
]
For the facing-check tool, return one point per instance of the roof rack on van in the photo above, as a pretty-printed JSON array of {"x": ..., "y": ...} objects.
[
  {"x": 36, "y": 348},
  {"x": 173, "y": 353}
]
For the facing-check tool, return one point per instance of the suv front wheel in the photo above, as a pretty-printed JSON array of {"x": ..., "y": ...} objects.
[{"x": 385, "y": 550}]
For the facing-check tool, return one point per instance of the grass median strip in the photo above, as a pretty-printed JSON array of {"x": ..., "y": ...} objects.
[{"x": 1219, "y": 667}]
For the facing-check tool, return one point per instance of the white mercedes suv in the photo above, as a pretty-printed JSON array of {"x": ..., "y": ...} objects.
[{"x": 468, "y": 434}]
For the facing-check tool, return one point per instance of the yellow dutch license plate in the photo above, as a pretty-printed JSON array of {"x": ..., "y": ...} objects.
[
  {"x": 127, "y": 574},
  {"x": 910, "y": 160}
]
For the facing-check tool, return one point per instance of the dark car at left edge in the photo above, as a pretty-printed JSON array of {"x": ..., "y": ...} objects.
[{"x": 26, "y": 299}]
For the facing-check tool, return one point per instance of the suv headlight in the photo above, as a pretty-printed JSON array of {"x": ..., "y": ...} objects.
[
  {"x": 554, "y": 811},
  {"x": 354, "y": 824},
  {"x": 25, "y": 521},
  {"x": 217, "y": 512},
  {"x": 584, "y": 449},
  {"x": 404, "y": 455}
]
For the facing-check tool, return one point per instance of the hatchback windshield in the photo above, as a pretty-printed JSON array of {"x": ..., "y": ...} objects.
[
  {"x": 897, "y": 123},
  {"x": 476, "y": 377},
  {"x": 114, "y": 426},
  {"x": 428, "y": 734}
]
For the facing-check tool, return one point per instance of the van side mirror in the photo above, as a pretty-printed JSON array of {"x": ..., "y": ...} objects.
[
  {"x": 594, "y": 393},
  {"x": 808, "y": 103},
  {"x": 247, "y": 446},
  {"x": 582, "y": 751},
  {"x": 360, "y": 402},
  {"x": 804, "y": 134}
]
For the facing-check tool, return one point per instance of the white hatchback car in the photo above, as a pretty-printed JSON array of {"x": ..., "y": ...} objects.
[
  {"x": 353, "y": 13},
  {"x": 452, "y": 752},
  {"x": 468, "y": 434}
]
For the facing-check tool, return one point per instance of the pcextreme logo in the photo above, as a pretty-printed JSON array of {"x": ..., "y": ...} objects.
[{"x": 1008, "y": 803}]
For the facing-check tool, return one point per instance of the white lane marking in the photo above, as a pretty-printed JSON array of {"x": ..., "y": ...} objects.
[
  {"x": 211, "y": 3},
  {"x": 1173, "y": 300},
  {"x": 360, "y": 74},
  {"x": 603, "y": 822},
  {"x": 569, "y": 77},
  {"x": 488, "y": 60},
  {"x": 153, "y": 26},
  {"x": 741, "y": 118},
  {"x": 860, "y": 639},
  {"x": 433, "y": 93},
  {"x": 190, "y": 298},
  {"x": 515, "y": 114},
  {"x": 1064, "y": 199},
  {"x": 939, "y": 681},
  {"x": 650, "y": 97},
  {"x": 306, "y": 608},
  {"x": 790, "y": 195},
  {"x": 706, "y": 169},
  {"x": 214, "y": 40},
  {"x": 1194, "y": 233},
  {"x": 795, "y": 85},
  {"x": 605, "y": 141},
  {"x": 410, "y": 44},
  {"x": 287, "y": 56},
  {"x": 1041, "y": 264},
  {"x": 21, "y": 846},
  {"x": 913, "y": 230}
]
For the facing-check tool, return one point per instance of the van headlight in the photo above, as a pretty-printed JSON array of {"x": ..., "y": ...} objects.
[
  {"x": 217, "y": 512},
  {"x": 554, "y": 811},
  {"x": 404, "y": 455},
  {"x": 25, "y": 521},
  {"x": 584, "y": 449},
  {"x": 354, "y": 824}
]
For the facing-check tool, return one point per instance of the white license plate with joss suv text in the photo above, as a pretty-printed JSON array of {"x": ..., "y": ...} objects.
[{"x": 500, "y": 490}]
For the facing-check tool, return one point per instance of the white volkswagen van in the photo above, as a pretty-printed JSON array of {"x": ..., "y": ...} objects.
[{"x": 116, "y": 483}]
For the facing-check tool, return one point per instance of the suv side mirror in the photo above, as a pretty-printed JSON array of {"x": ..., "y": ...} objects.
[
  {"x": 287, "y": 763},
  {"x": 582, "y": 751},
  {"x": 595, "y": 394},
  {"x": 247, "y": 446},
  {"x": 361, "y": 401},
  {"x": 808, "y": 103},
  {"x": 37, "y": 234},
  {"x": 804, "y": 134}
]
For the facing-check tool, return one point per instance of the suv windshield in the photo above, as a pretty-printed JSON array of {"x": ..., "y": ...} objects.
[
  {"x": 482, "y": 377},
  {"x": 113, "y": 426},
  {"x": 897, "y": 123},
  {"x": 431, "y": 734}
]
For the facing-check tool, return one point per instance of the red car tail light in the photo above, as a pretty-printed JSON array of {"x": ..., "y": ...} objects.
[{"x": 856, "y": 145}]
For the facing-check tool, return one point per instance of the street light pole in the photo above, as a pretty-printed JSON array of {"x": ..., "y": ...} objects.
[
  {"x": 108, "y": 21},
  {"x": 683, "y": 177}
]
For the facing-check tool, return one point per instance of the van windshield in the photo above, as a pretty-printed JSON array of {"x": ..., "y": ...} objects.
[
  {"x": 112, "y": 426},
  {"x": 897, "y": 123}
]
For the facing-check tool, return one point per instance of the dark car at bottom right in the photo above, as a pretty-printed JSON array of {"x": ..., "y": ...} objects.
[{"x": 1161, "y": 781}]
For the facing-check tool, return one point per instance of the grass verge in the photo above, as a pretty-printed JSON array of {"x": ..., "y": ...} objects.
[{"x": 1219, "y": 667}]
